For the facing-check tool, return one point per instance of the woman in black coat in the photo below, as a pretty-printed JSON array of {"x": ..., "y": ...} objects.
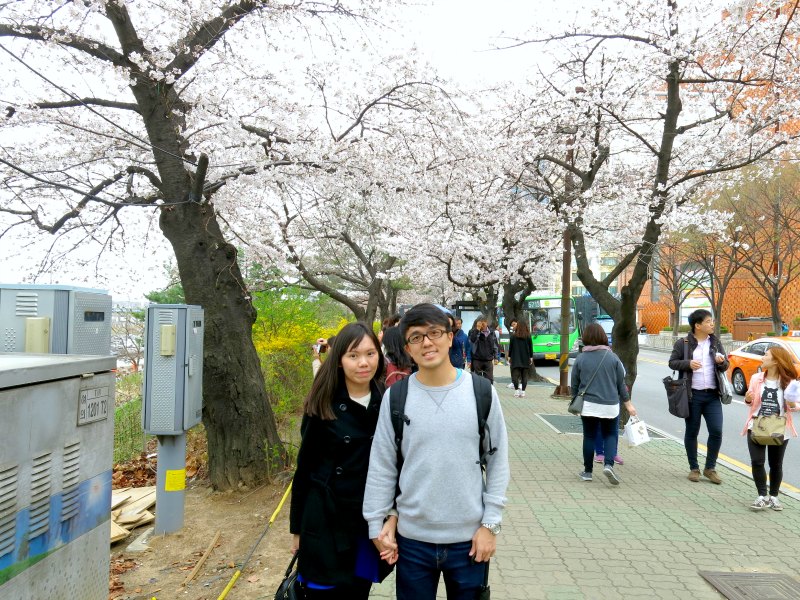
[
  {"x": 520, "y": 354},
  {"x": 336, "y": 558}
]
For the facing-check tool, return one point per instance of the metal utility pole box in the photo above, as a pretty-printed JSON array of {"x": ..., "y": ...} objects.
[
  {"x": 56, "y": 450},
  {"x": 173, "y": 371},
  {"x": 173, "y": 399},
  {"x": 54, "y": 319}
]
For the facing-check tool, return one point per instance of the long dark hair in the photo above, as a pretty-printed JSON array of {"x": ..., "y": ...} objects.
[
  {"x": 330, "y": 377},
  {"x": 394, "y": 349},
  {"x": 522, "y": 330}
]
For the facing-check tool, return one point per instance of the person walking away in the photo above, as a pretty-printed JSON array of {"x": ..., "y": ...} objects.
[
  {"x": 599, "y": 375},
  {"x": 336, "y": 559},
  {"x": 773, "y": 391},
  {"x": 458, "y": 351},
  {"x": 449, "y": 515},
  {"x": 520, "y": 354},
  {"x": 398, "y": 362},
  {"x": 706, "y": 355},
  {"x": 484, "y": 349}
]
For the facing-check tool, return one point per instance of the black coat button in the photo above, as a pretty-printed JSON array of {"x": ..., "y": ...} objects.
[
  {"x": 346, "y": 439},
  {"x": 339, "y": 470},
  {"x": 343, "y": 406}
]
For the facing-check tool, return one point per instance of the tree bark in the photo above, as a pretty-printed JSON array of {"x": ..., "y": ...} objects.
[{"x": 243, "y": 441}]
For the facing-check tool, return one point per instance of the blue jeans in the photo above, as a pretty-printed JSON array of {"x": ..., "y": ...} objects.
[
  {"x": 608, "y": 429},
  {"x": 704, "y": 404},
  {"x": 421, "y": 563},
  {"x": 599, "y": 440}
]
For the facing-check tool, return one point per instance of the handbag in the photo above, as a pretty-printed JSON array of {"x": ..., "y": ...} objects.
[
  {"x": 636, "y": 432},
  {"x": 576, "y": 406},
  {"x": 769, "y": 430},
  {"x": 485, "y": 593},
  {"x": 290, "y": 588},
  {"x": 725, "y": 387},
  {"x": 679, "y": 390}
]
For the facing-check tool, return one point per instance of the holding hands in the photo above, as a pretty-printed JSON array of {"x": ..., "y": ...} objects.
[{"x": 386, "y": 542}]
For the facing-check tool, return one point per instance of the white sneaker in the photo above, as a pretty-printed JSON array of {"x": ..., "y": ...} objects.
[
  {"x": 774, "y": 503},
  {"x": 510, "y": 386},
  {"x": 522, "y": 393},
  {"x": 516, "y": 393},
  {"x": 759, "y": 503}
]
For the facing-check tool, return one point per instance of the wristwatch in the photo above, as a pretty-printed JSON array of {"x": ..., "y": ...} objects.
[{"x": 493, "y": 527}]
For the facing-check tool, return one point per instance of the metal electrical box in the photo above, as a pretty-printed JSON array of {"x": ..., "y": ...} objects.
[
  {"x": 56, "y": 449},
  {"x": 54, "y": 319},
  {"x": 173, "y": 368}
]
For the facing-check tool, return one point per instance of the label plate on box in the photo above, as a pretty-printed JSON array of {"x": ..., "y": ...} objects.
[{"x": 93, "y": 405}]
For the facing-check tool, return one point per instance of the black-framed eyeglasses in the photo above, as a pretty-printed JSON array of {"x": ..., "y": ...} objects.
[{"x": 433, "y": 334}]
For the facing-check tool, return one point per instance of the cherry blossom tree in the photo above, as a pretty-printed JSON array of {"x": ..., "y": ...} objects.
[
  {"x": 169, "y": 110},
  {"x": 653, "y": 100}
]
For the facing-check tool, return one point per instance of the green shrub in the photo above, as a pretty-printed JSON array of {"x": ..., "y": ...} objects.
[
  {"x": 289, "y": 323},
  {"x": 724, "y": 329},
  {"x": 771, "y": 334},
  {"x": 667, "y": 328},
  {"x": 683, "y": 329}
]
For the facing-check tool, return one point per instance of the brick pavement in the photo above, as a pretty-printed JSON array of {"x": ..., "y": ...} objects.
[{"x": 565, "y": 539}]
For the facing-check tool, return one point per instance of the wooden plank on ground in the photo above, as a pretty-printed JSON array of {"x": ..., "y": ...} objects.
[{"x": 118, "y": 533}]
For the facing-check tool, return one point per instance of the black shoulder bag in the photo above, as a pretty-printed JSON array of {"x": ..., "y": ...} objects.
[{"x": 679, "y": 390}]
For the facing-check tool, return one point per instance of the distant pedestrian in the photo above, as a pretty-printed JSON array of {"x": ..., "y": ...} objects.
[
  {"x": 773, "y": 391},
  {"x": 706, "y": 355},
  {"x": 459, "y": 351},
  {"x": 599, "y": 375},
  {"x": 520, "y": 357},
  {"x": 600, "y": 446},
  {"x": 398, "y": 362},
  {"x": 484, "y": 349}
]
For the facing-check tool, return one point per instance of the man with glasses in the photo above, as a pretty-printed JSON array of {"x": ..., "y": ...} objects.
[{"x": 447, "y": 515}]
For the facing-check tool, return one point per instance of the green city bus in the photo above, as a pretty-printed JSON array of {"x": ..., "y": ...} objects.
[{"x": 543, "y": 313}]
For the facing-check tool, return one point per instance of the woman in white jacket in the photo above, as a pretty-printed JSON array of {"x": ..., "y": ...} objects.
[{"x": 774, "y": 391}]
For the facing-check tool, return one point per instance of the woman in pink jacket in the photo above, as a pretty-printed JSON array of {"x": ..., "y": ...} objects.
[{"x": 773, "y": 391}]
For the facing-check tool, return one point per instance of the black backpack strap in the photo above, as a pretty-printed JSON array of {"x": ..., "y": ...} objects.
[
  {"x": 482, "y": 388},
  {"x": 397, "y": 406}
]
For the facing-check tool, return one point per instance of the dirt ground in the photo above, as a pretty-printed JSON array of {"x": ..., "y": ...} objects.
[{"x": 241, "y": 517}]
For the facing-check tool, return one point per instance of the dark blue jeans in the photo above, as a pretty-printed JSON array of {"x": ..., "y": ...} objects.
[
  {"x": 599, "y": 440},
  {"x": 608, "y": 429},
  {"x": 704, "y": 404},
  {"x": 421, "y": 563}
]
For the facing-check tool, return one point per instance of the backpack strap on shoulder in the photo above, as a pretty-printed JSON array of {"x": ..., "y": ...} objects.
[
  {"x": 482, "y": 388},
  {"x": 397, "y": 405}
]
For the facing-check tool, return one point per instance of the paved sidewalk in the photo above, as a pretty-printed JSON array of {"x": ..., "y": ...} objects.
[{"x": 646, "y": 538}]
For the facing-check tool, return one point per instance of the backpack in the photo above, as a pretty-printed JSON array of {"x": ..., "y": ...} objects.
[{"x": 483, "y": 404}]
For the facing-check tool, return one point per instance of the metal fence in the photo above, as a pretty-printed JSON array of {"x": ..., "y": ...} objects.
[{"x": 666, "y": 342}]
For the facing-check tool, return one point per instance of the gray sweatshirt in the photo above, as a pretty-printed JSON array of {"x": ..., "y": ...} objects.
[
  {"x": 442, "y": 498},
  {"x": 608, "y": 385}
]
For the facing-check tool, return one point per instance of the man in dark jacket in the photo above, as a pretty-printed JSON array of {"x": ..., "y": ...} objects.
[
  {"x": 705, "y": 356},
  {"x": 458, "y": 351},
  {"x": 484, "y": 349}
]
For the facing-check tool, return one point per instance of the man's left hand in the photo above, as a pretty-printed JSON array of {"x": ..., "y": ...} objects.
[{"x": 484, "y": 544}]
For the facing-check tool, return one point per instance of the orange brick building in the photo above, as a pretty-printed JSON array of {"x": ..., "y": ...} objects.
[{"x": 742, "y": 297}]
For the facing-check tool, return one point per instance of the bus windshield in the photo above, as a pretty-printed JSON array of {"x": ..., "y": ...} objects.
[{"x": 546, "y": 320}]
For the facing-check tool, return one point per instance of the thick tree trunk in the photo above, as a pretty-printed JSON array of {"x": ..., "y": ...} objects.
[{"x": 243, "y": 442}]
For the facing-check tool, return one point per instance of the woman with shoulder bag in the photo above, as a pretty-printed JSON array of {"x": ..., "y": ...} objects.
[
  {"x": 336, "y": 559},
  {"x": 773, "y": 391},
  {"x": 599, "y": 376}
]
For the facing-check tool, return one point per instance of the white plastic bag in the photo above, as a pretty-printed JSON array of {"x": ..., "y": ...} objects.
[{"x": 636, "y": 432}]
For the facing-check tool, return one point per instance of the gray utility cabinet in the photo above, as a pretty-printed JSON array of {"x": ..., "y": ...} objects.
[
  {"x": 56, "y": 453},
  {"x": 54, "y": 319}
]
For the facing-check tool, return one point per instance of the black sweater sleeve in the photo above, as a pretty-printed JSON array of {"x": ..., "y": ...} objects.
[{"x": 306, "y": 458}]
